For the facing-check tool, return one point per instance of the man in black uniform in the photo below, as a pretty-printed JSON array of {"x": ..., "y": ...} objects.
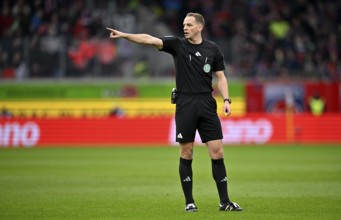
[{"x": 196, "y": 59}]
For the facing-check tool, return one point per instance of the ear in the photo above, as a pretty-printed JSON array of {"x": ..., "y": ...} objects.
[{"x": 200, "y": 27}]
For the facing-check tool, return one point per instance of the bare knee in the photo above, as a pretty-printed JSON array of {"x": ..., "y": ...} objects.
[
  {"x": 186, "y": 150},
  {"x": 217, "y": 153},
  {"x": 216, "y": 149}
]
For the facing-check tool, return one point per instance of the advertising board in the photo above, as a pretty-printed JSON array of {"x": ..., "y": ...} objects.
[{"x": 155, "y": 131}]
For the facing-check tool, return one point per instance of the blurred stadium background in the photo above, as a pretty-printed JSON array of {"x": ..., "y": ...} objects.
[{"x": 63, "y": 82}]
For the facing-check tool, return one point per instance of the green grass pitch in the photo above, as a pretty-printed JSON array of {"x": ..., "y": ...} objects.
[{"x": 269, "y": 182}]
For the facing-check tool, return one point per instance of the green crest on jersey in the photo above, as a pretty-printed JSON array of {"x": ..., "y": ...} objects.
[{"x": 207, "y": 68}]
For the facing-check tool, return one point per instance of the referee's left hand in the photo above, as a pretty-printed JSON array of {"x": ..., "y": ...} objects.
[{"x": 227, "y": 109}]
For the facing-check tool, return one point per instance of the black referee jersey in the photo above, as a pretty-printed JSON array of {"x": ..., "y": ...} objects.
[{"x": 194, "y": 63}]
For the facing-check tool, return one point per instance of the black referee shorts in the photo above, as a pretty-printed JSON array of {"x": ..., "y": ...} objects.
[{"x": 197, "y": 112}]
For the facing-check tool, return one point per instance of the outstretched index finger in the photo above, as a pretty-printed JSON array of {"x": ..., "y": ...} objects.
[{"x": 110, "y": 29}]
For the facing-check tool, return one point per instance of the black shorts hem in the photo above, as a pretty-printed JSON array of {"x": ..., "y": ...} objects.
[
  {"x": 184, "y": 141},
  {"x": 211, "y": 139}
]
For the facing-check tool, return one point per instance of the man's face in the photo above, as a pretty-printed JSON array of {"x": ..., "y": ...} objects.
[{"x": 191, "y": 27}]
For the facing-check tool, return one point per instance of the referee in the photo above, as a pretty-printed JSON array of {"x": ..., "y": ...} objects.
[{"x": 196, "y": 59}]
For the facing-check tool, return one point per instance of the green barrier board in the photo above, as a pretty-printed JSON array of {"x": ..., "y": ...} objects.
[{"x": 42, "y": 91}]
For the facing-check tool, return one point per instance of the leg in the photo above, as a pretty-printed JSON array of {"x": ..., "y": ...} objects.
[
  {"x": 185, "y": 170},
  {"x": 215, "y": 149},
  {"x": 186, "y": 121},
  {"x": 186, "y": 150},
  {"x": 216, "y": 152}
]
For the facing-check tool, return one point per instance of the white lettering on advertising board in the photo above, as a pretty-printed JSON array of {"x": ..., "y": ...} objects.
[
  {"x": 14, "y": 134},
  {"x": 238, "y": 131},
  {"x": 247, "y": 131}
]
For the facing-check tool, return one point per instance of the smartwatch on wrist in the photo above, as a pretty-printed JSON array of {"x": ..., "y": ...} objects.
[{"x": 228, "y": 100}]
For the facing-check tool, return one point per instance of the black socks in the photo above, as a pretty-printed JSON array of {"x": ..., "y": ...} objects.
[
  {"x": 219, "y": 175},
  {"x": 186, "y": 175}
]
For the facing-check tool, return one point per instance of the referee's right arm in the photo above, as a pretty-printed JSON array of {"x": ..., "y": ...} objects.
[{"x": 137, "y": 38}]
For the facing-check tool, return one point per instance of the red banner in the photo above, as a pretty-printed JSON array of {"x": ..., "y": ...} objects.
[
  {"x": 66, "y": 132},
  {"x": 272, "y": 96},
  {"x": 155, "y": 131}
]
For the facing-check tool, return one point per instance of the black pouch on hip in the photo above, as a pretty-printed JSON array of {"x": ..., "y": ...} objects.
[{"x": 174, "y": 96}]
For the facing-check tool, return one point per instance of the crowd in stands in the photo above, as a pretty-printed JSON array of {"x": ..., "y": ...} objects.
[
  {"x": 261, "y": 39},
  {"x": 50, "y": 38},
  {"x": 270, "y": 37}
]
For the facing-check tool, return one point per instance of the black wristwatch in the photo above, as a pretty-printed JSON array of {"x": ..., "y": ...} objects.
[{"x": 228, "y": 100}]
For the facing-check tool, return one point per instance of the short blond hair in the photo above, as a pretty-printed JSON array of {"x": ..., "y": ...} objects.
[{"x": 198, "y": 17}]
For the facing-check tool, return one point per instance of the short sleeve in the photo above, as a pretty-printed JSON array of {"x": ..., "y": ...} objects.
[
  {"x": 219, "y": 63},
  {"x": 170, "y": 44}
]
